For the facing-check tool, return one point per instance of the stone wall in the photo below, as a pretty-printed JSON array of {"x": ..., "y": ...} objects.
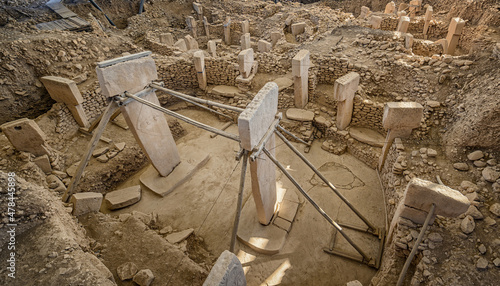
[
  {"x": 329, "y": 68},
  {"x": 367, "y": 113},
  {"x": 437, "y": 30},
  {"x": 177, "y": 73},
  {"x": 222, "y": 70},
  {"x": 273, "y": 63}
]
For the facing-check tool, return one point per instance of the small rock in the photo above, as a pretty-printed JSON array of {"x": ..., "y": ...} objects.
[
  {"x": 100, "y": 151},
  {"x": 468, "y": 225},
  {"x": 120, "y": 146},
  {"x": 431, "y": 152},
  {"x": 476, "y": 155},
  {"x": 461, "y": 166},
  {"x": 165, "y": 230},
  {"x": 354, "y": 283},
  {"x": 474, "y": 212},
  {"x": 490, "y": 175},
  {"x": 482, "y": 263},
  {"x": 482, "y": 249},
  {"x": 497, "y": 262},
  {"x": 435, "y": 237},
  {"x": 123, "y": 198},
  {"x": 489, "y": 221},
  {"x": 491, "y": 162},
  {"x": 480, "y": 164},
  {"x": 179, "y": 236},
  {"x": 495, "y": 209},
  {"x": 144, "y": 277},
  {"x": 102, "y": 158},
  {"x": 126, "y": 270}
]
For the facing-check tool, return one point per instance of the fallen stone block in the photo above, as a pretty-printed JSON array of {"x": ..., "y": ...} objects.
[
  {"x": 123, "y": 198},
  {"x": 126, "y": 271},
  {"x": 299, "y": 114},
  {"x": 298, "y": 28},
  {"x": 25, "y": 135},
  {"x": 62, "y": 90},
  {"x": 177, "y": 237},
  {"x": 421, "y": 194},
  {"x": 144, "y": 277},
  {"x": 84, "y": 203},
  {"x": 402, "y": 115},
  {"x": 44, "y": 163}
]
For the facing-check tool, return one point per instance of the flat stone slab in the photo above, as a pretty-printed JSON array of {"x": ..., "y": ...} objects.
[
  {"x": 162, "y": 186},
  {"x": 299, "y": 114},
  {"x": 368, "y": 136},
  {"x": 226, "y": 271},
  {"x": 283, "y": 83},
  {"x": 177, "y": 237},
  {"x": 123, "y": 198},
  {"x": 225, "y": 90},
  {"x": 271, "y": 238}
]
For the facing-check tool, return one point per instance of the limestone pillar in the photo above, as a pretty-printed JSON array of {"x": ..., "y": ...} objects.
[
  {"x": 275, "y": 37},
  {"x": 199, "y": 10},
  {"x": 399, "y": 118},
  {"x": 65, "y": 90},
  {"x": 404, "y": 22},
  {"x": 264, "y": 46},
  {"x": 408, "y": 41},
  {"x": 253, "y": 124},
  {"x": 245, "y": 62},
  {"x": 167, "y": 39},
  {"x": 191, "y": 23},
  {"x": 191, "y": 43},
  {"x": 205, "y": 24},
  {"x": 390, "y": 8},
  {"x": 375, "y": 21},
  {"x": 454, "y": 32},
  {"x": 300, "y": 73},
  {"x": 344, "y": 90},
  {"x": 245, "y": 27},
  {"x": 365, "y": 11},
  {"x": 245, "y": 41},
  {"x": 298, "y": 28},
  {"x": 414, "y": 7},
  {"x": 212, "y": 48},
  {"x": 25, "y": 135},
  {"x": 148, "y": 125},
  {"x": 199, "y": 65},
  {"x": 227, "y": 31},
  {"x": 181, "y": 45},
  {"x": 428, "y": 18}
]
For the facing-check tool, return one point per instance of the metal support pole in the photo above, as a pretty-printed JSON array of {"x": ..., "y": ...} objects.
[
  {"x": 294, "y": 137},
  {"x": 91, "y": 147},
  {"x": 370, "y": 225},
  {"x": 415, "y": 247},
  {"x": 199, "y": 100},
  {"x": 318, "y": 208},
  {"x": 240, "y": 200},
  {"x": 184, "y": 118}
]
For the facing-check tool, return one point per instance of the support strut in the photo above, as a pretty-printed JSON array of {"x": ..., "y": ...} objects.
[
  {"x": 240, "y": 200},
  {"x": 366, "y": 258}
]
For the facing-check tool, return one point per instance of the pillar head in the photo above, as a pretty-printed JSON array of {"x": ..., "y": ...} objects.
[{"x": 402, "y": 115}]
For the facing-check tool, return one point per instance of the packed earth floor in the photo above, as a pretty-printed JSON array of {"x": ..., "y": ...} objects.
[{"x": 395, "y": 103}]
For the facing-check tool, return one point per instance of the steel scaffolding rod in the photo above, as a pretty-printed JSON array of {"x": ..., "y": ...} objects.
[{"x": 240, "y": 200}]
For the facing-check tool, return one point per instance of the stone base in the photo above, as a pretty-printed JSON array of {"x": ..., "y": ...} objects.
[
  {"x": 163, "y": 186},
  {"x": 271, "y": 238}
]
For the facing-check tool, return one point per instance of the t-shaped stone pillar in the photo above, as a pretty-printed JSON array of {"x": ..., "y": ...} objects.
[
  {"x": 454, "y": 32},
  {"x": 414, "y": 7},
  {"x": 404, "y": 21},
  {"x": 264, "y": 46},
  {"x": 65, "y": 90},
  {"x": 167, "y": 39},
  {"x": 227, "y": 31},
  {"x": 191, "y": 23},
  {"x": 199, "y": 65},
  {"x": 245, "y": 27},
  {"x": 245, "y": 41},
  {"x": 25, "y": 135},
  {"x": 245, "y": 62},
  {"x": 212, "y": 48},
  {"x": 191, "y": 43},
  {"x": 253, "y": 124},
  {"x": 300, "y": 73},
  {"x": 199, "y": 9},
  {"x": 428, "y": 18},
  {"x": 365, "y": 12},
  {"x": 400, "y": 118},
  {"x": 344, "y": 90},
  {"x": 149, "y": 126},
  {"x": 375, "y": 21},
  {"x": 205, "y": 24},
  {"x": 390, "y": 8}
]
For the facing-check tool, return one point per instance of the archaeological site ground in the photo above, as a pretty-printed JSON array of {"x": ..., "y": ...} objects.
[{"x": 249, "y": 142}]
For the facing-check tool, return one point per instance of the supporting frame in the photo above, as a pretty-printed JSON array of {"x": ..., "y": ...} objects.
[{"x": 240, "y": 201}]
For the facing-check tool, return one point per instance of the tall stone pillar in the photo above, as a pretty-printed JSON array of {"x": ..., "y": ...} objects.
[
  {"x": 344, "y": 90},
  {"x": 199, "y": 65},
  {"x": 227, "y": 31},
  {"x": 300, "y": 73},
  {"x": 454, "y": 32}
]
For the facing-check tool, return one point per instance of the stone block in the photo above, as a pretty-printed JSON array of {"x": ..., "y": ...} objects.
[
  {"x": 191, "y": 43},
  {"x": 298, "y": 28},
  {"x": 346, "y": 86},
  {"x": 245, "y": 41},
  {"x": 84, "y": 203},
  {"x": 299, "y": 114},
  {"x": 25, "y": 135},
  {"x": 79, "y": 114},
  {"x": 264, "y": 46},
  {"x": 415, "y": 215},
  {"x": 167, "y": 38},
  {"x": 44, "y": 163},
  {"x": 301, "y": 91},
  {"x": 456, "y": 27},
  {"x": 181, "y": 45},
  {"x": 421, "y": 194},
  {"x": 365, "y": 11},
  {"x": 390, "y": 8},
  {"x": 301, "y": 63},
  {"x": 375, "y": 22},
  {"x": 402, "y": 115},
  {"x": 144, "y": 277},
  {"x": 151, "y": 131},
  {"x": 212, "y": 48},
  {"x": 408, "y": 41},
  {"x": 245, "y": 62},
  {"x": 177, "y": 237},
  {"x": 226, "y": 271},
  {"x": 123, "y": 198},
  {"x": 62, "y": 90},
  {"x": 275, "y": 37},
  {"x": 116, "y": 79},
  {"x": 403, "y": 24},
  {"x": 255, "y": 120},
  {"x": 245, "y": 27}
]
